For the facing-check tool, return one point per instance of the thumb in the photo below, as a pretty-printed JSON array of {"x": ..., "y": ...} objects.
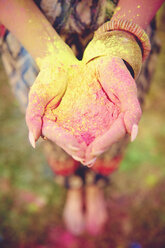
[
  {"x": 46, "y": 92},
  {"x": 119, "y": 84},
  {"x": 34, "y": 112}
]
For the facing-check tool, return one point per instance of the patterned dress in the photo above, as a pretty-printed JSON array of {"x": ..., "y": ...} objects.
[{"x": 75, "y": 21}]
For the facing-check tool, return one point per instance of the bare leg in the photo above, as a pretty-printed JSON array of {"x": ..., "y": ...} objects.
[
  {"x": 96, "y": 212},
  {"x": 73, "y": 211}
]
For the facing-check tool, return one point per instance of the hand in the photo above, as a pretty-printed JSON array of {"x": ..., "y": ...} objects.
[
  {"x": 45, "y": 95},
  {"x": 94, "y": 108},
  {"x": 119, "y": 85},
  {"x": 46, "y": 92},
  {"x": 76, "y": 122},
  {"x": 93, "y": 99}
]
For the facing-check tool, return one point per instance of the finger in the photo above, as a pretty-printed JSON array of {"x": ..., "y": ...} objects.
[
  {"x": 64, "y": 139},
  {"x": 132, "y": 116},
  {"x": 102, "y": 143},
  {"x": 90, "y": 163}
]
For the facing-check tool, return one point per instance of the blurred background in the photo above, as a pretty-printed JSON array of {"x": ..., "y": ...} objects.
[{"x": 31, "y": 203}]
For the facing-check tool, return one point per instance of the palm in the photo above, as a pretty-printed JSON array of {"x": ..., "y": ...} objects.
[
  {"x": 94, "y": 105},
  {"x": 84, "y": 113}
]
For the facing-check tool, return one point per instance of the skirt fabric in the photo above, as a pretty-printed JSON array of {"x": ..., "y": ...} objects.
[{"x": 75, "y": 21}]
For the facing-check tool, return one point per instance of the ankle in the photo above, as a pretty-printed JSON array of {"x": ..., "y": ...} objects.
[{"x": 92, "y": 191}]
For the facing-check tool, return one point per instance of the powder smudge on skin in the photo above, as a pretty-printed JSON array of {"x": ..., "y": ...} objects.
[{"x": 85, "y": 110}]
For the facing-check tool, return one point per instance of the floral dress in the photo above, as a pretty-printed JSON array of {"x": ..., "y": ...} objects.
[{"x": 75, "y": 21}]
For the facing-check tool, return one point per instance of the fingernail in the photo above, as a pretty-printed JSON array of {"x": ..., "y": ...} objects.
[
  {"x": 91, "y": 162},
  {"x": 77, "y": 158},
  {"x": 44, "y": 137},
  {"x": 134, "y": 132},
  {"x": 73, "y": 148},
  {"x": 31, "y": 139}
]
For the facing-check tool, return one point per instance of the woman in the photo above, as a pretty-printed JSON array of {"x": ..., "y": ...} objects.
[{"x": 75, "y": 22}]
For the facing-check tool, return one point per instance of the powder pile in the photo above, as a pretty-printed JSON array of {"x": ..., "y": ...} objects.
[{"x": 85, "y": 110}]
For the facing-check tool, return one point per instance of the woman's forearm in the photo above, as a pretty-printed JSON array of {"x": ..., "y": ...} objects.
[
  {"x": 139, "y": 11},
  {"x": 31, "y": 28}
]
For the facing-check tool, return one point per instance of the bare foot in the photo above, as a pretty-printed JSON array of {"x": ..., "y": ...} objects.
[
  {"x": 73, "y": 212},
  {"x": 96, "y": 211}
]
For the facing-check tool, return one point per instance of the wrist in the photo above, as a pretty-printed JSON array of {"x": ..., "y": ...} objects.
[
  {"x": 117, "y": 44},
  {"x": 120, "y": 38},
  {"x": 61, "y": 56},
  {"x": 34, "y": 31},
  {"x": 130, "y": 27}
]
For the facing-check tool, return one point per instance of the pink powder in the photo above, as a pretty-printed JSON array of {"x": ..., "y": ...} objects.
[{"x": 85, "y": 110}]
